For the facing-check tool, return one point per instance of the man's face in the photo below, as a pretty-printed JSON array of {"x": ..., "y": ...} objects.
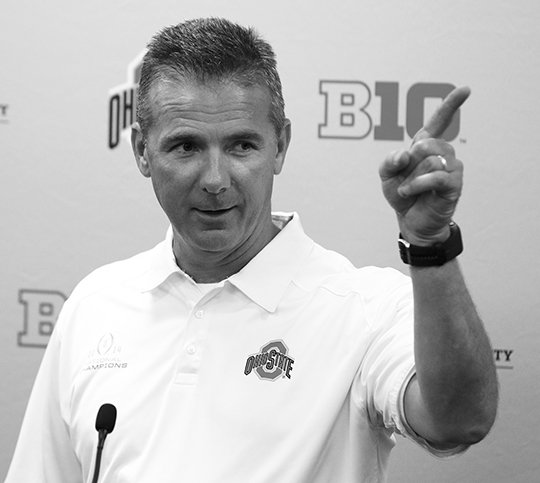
[{"x": 212, "y": 152}]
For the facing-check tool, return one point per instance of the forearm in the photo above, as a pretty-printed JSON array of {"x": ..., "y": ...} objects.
[
  {"x": 453, "y": 399},
  {"x": 456, "y": 395}
]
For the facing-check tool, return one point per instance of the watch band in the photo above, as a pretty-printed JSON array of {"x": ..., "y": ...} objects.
[{"x": 434, "y": 255}]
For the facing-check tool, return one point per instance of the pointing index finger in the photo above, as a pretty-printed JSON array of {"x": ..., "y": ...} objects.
[{"x": 442, "y": 117}]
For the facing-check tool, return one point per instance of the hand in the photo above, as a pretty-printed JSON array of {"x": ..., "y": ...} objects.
[{"x": 417, "y": 184}]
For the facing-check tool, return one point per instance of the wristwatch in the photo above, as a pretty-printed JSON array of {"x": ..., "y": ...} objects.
[{"x": 434, "y": 255}]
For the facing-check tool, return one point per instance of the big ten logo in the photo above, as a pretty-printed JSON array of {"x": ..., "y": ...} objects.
[
  {"x": 123, "y": 104},
  {"x": 41, "y": 309},
  {"x": 350, "y": 111}
]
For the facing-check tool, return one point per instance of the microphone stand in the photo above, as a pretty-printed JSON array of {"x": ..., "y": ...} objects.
[{"x": 102, "y": 434}]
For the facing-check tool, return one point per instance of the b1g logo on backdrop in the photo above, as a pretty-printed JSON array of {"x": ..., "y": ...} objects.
[
  {"x": 41, "y": 309},
  {"x": 123, "y": 104},
  {"x": 351, "y": 113}
]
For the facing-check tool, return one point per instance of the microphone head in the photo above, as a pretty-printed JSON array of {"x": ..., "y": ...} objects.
[{"x": 106, "y": 418}]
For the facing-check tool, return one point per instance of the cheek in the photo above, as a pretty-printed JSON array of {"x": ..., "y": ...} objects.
[
  {"x": 170, "y": 188},
  {"x": 255, "y": 173},
  {"x": 259, "y": 187}
]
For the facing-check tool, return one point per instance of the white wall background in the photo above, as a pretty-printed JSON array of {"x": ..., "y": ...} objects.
[{"x": 69, "y": 203}]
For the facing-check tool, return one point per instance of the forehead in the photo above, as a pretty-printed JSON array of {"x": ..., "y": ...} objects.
[{"x": 214, "y": 102}]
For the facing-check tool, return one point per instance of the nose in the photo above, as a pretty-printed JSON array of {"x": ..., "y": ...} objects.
[{"x": 215, "y": 176}]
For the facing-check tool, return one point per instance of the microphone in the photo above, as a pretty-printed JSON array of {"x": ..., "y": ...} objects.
[{"x": 105, "y": 421}]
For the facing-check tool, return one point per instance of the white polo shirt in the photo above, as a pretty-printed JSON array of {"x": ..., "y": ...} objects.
[{"x": 290, "y": 371}]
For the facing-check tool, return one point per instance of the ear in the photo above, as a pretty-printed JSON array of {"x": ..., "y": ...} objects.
[
  {"x": 282, "y": 145},
  {"x": 138, "y": 145}
]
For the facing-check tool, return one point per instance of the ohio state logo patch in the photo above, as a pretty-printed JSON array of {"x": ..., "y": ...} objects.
[{"x": 271, "y": 363}]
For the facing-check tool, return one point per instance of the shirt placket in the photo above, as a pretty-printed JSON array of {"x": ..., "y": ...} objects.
[{"x": 193, "y": 342}]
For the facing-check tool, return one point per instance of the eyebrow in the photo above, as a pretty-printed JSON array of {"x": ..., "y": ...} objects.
[
  {"x": 247, "y": 134},
  {"x": 177, "y": 136},
  {"x": 191, "y": 136}
]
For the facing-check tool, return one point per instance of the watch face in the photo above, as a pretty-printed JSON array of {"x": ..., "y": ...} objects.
[
  {"x": 404, "y": 251},
  {"x": 403, "y": 243}
]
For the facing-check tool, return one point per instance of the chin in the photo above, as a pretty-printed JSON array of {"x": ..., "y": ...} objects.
[{"x": 214, "y": 243}]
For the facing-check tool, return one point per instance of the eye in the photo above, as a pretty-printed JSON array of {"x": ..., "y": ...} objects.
[
  {"x": 246, "y": 146},
  {"x": 185, "y": 148},
  {"x": 243, "y": 147}
]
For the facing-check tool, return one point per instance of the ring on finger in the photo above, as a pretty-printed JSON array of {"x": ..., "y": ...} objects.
[{"x": 443, "y": 162}]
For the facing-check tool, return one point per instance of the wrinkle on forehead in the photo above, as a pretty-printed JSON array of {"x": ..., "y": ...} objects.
[{"x": 215, "y": 101}]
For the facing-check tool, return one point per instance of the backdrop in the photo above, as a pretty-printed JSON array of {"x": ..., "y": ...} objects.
[{"x": 359, "y": 77}]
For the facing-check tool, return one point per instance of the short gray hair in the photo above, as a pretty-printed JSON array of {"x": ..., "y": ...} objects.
[{"x": 211, "y": 49}]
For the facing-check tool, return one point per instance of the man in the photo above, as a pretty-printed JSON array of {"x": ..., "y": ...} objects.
[{"x": 239, "y": 350}]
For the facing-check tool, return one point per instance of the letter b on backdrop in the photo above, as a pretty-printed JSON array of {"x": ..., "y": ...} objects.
[{"x": 41, "y": 309}]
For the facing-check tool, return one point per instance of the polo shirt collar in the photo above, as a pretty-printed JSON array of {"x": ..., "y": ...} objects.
[
  {"x": 264, "y": 279},
  {"x": 161, "y": 265}
]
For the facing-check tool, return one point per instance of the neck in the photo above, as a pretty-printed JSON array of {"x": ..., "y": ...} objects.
[{"x": 214, "y": 266}]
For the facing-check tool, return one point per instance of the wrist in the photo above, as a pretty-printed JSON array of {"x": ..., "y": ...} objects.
[
  {"x": 425, "y": 241},
  {"x": 434, "y": 254}
]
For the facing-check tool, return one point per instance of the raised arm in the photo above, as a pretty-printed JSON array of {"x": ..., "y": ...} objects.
[{"x": 453, "y": 397}]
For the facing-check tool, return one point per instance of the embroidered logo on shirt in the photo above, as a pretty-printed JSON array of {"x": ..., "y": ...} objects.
[
  {"x": 106, "y": 355},
  {"x": 271, "y": 362}
]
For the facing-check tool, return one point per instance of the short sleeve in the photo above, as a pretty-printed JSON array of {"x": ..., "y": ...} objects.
[
  {"x": 44, "y": 451},
  {"x": 388, "y": 354},
  {"x": 388, "y": 363}
]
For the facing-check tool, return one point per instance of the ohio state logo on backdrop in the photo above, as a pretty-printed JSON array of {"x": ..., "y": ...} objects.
[
  {"x": 271, "y": 362},
  {"x": 123, "y": 104},
  {"x": 351, "y": 111}
]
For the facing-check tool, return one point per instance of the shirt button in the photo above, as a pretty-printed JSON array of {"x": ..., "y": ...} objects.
[
  {"x": 199, "y": 314},
  {"x": 191, "y": 349}
]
